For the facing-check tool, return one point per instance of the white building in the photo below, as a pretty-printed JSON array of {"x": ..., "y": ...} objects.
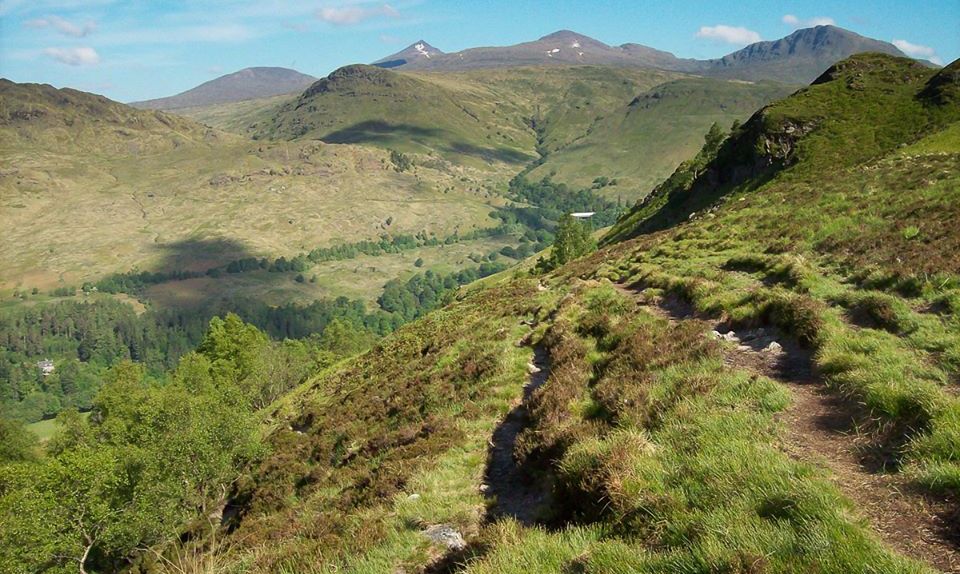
[{"x": 46, "y": 367}]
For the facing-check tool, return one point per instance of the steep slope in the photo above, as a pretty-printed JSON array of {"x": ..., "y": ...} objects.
[
  {"x": 795, "y": 59},
  {"x": 654, "y": 445},
  {"x": 246, "y": 84},
  {"x": 640, "y": 144},
  {"x": 858, "y": 110}
]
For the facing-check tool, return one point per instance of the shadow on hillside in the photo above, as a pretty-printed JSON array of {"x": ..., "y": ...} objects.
[
  {"x": 501, "y": 154},
  {"x": 199, "y": 254},
  {"x": 196, "y": 276},
  {"x": 379, "y": 132}
]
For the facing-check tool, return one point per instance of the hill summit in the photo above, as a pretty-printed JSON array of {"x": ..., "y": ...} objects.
[
  {"x": 246, "y": 84},
  {"x": 419, "y": 50}
]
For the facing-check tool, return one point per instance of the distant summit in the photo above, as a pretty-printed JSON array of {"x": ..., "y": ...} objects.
[
  {"x": 796, "y": 59},
  {"x": 247, "y": 84},
  {"x": 419, "y": 50},
  {"x": 803, "y": 55}
]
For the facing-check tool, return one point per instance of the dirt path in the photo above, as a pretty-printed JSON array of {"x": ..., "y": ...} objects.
[
  {"x": 516, "y": 494},
  {"x": 822, "y": 429}
]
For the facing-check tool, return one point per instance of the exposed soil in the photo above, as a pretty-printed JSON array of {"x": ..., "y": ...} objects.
[
  {"x": 515, "y": 492},
  {"x": 834, "y": 433}
]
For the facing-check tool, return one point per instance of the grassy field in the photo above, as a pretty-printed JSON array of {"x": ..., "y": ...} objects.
[{"x": 47, "y": 428}]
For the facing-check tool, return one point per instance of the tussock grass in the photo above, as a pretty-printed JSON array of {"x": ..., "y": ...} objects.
[{"x": 682, "y": 474}]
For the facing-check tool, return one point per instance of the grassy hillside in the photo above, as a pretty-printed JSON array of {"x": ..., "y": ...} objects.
[
  {"x": 641, "y": 143},
  {"x": 39, "y": 116},
  {"x": 369, "y": 105},
  {"x": 632, "y": 125},
  {"x": 242, "y": 118},
  {"x": 763, "y": 379},
  {"x": 864, "y": 270},
  {"x": 92, "y": 187}
]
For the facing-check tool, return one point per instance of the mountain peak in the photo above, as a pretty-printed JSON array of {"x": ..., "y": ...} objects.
[
  {"x": 419, "y": 50},
  {"x": 562, "y": 35},
  {"x": 574, "y": 39}
]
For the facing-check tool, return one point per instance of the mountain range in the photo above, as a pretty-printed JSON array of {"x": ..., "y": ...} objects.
[{"x": 797, "y": 58}]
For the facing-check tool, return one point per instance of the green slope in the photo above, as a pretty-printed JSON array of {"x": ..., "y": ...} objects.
[
  {"x": 859, "y": 110},
  {"x": 641, "y": 143},
  {"x": 369, "y": 105},
  {"x": 588, "y": 121},
  {"x": 652, "y": 447}
]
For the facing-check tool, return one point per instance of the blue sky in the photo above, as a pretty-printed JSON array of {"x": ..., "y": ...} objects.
[{"x": 131, "y": 50}]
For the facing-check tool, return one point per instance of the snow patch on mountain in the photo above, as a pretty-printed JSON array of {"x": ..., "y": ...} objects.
[{"x": 422, "y": 49}]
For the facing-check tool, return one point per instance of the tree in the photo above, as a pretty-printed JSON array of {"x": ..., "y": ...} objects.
[
  {"x": 714, "y": 137},
  {"x": 16, "y": 442},
  {"x": 572, "y": 240},
  {"x": 233, "y": 348}
]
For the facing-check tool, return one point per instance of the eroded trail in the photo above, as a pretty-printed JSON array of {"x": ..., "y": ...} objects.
[
  {"x": 822, "y": 429},
  {"x": 516, "y": 494}
]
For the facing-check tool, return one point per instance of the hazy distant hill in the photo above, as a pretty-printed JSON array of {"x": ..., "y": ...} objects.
[
  {"x": 247, "y": 84},
  {"x": 798, "y": 58},
  {"x": 802, "y": 56}
]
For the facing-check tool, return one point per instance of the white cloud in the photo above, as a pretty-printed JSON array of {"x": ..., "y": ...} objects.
[
  {"x": 821, "y": 21},
  {"x": 65, "y": 27},
  {"x": 918, "y": 51},
  {"x": 353, "y": 14},
  {"x": 81, "y": 56},
  {"x": 791, "y": 20},
  {"x": 729, "y": 34}
]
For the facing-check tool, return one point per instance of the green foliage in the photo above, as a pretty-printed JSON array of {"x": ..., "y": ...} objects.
[
  {"x": 426, "y": 291},
  {"x": 573, "y": 239},
  {"x": 16, "y": 442},
  {"x": 149, "y": 459},
  {"x": 551, "y": 201}
]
